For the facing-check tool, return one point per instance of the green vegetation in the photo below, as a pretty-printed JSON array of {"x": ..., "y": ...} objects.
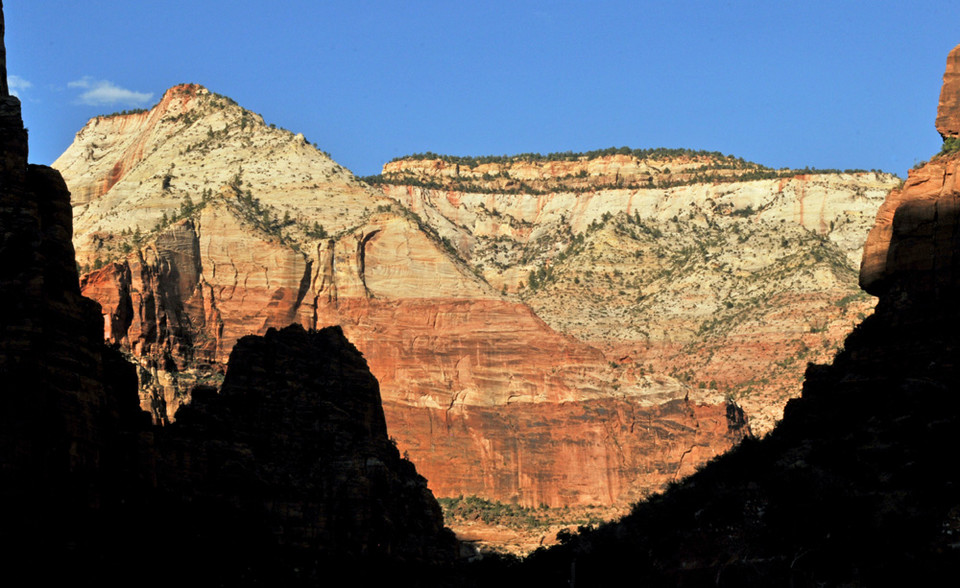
[
  {"x": 950, "y": 145},
  {"x": 430, "y": 232},
  {"x": 856, "y": 296},
  {"x": 471, "y": 508},
  {"x": 187, "y": 210},
  {"x": 655, "y": 153},
  {"x": 316, "y": 231},
  {"x": 264, "y": 217},
  {"x": 737, "y": 170},
  {"x": 124, "y": 112},
  {"x": 540, "y": 277}
]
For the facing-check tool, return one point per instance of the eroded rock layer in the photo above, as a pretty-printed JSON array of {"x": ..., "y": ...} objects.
[
  {"x": 602, "y": 451},
  {"x": 692, "y": 266}
]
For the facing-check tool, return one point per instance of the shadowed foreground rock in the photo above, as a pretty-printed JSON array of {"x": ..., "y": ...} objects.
[
  {"x": 65, "y": 443},
  {"x": 297, "y": 440}
]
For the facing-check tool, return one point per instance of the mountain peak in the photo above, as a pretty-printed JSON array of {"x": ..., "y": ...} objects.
[{"x": 176, "y": 97}]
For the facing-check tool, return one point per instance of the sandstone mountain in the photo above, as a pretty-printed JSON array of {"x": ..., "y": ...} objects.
[
  {"x": 707, "y": 268},
  {"x": 220, "y": 226},
  {"x": 661, "y": 290}
]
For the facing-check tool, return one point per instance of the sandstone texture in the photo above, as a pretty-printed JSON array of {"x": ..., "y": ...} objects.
[
  {"x": 948, "y": 111},
  {"x": 252, "y": 228},
  {"x": 699, "y": 274},
  {"x": 924, "y": 203},
  {"x": 127, "y": 171},
  {"x": 849, "y": 489},
  {"x": 911, "y": 238}
]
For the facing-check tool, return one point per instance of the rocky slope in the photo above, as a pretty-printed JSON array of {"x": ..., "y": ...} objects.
[
  {"x": 220, "y": 226},
  {"x": 850, "y": 489},
  {"x": 700, "y": 266}
]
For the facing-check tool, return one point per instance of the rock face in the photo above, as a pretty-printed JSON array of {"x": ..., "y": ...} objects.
[
  {"x": 205, "y": 251},
  {"x": 671, "y": 283},
  {"x": 695, "y": 267},
  {"x": 920, "y": 210},
  {"x": 190, "y": 295},
  {"x": 136, "y": 171},
  {"x": 948, "y": 111},
  {"x": 923, "y": 206}
]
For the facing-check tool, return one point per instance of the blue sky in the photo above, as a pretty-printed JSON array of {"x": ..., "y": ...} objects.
[{"x": 825, "y": 84}]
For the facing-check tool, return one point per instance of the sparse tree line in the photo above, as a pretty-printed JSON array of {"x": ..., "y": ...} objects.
[
  {"x": 702, "y": 176},
  {"x": 654, "y": 153}
]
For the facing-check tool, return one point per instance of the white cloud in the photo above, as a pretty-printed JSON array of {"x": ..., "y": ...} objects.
[
  {"x": 100, "y": 92},
  {"x": 16, "y": 84}
]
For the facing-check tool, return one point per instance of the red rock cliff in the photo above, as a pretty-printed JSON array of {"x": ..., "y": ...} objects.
[
  {"x": 912, "y": 238},
  {"x": 252, "y": 487},
  {"x": 948, "y": 111}
]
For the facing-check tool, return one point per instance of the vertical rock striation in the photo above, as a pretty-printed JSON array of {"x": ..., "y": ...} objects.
[
  {"x": 468, "y": 374},
  {"x": 911, "y": 247}
]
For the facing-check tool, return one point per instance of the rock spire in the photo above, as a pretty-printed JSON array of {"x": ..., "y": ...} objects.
[{"x": 948, "y": 111}]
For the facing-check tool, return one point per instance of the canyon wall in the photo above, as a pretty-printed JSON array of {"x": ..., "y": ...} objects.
[
  {"x": 664, "y": 277},
  {"x": 714, "y": 271}
]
